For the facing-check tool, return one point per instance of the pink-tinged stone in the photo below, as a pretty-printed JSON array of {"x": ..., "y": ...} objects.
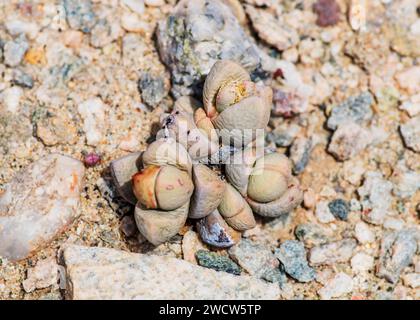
[{"x": 38, "y": 204}]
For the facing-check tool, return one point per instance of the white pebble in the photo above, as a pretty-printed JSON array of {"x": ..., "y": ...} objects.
[
  {"x": 412, "y": 105},
  {"x": 393, "y": 223},
  {"x": 363, "y": 233},
  {"x": 16, "y": 27},
  {"x": 92, "y": 112},
  {"x": 412, "y": 279},
  {"x": 336, "y": 287},
  {"x": 323, "y": 213},
  {"x": 357, "y": 15},
  {"x": 136, "y": 6},
  {"x": 132, "y": 22},
  {"x": 11, "y": 98},
  {"x": 362, "y": 262},
  {"x": 154, "y": 3}
]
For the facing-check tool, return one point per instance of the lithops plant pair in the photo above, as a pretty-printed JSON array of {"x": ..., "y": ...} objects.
[{"x": 181, "y": 178}]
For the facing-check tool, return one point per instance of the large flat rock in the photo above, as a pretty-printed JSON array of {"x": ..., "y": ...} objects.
[
  {"x": 101, "y": 273},
  {"x": 38, "y": 204}
]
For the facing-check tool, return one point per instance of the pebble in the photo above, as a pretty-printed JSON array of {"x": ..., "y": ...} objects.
[
  {"x": 38, "y": 204},
  {"x": 136, "y": 6},
  {"x": 191, "y": 243},
  {"x": 11, "y": 98},
  {"x": 43, "y": 275},
  {"x": 357, "y": 14},
  {"x": 154, "y": 3},
  {"x": 376, "y": 199},
  {"x": 355, "y": 109},
  {"x": 328, "y": 12},
  {"x": 309, "y": 198},
  {"x": 362, "y": 262},
  {"x": 353, "y": 171},
  {"x": 217, "y": 262},
  {"x": 339, "y": 208},
  {"x": 300, "y": 153},
  {"x": 363, "y": 233},
  {"x": 412, "y": 280},
  {"x": 355, "y": 205},
  {"x": 323, "y": 213},
  {"x": 254, "y": 258},
  {"x": 397, "y": 251},
  {"x": 312, "y": 234},
  {"x": 332, "y": 253},
  {"x": 14, "y": 51},
  {"x": 283, "y": 135},
  {"x": 393, "y": 223},
  {"x": 139, "y": 276},
  {"x": 93, "y": 113},
  {"x": 410, "y": 132},
  {"x": 16, "y": 27},
  {"x": 80, "y": 15},
  {"x": 189, "y": 38},
  {"x": 22, "y": 79},
  {"x": 133, "y": 23},
  {"x": 292, "y": 255},
  {"x": 349, "y": 140},
  {"x": 412, "y": 105},
  {"x": 152, "y": 89},
  {"x": 91, "y": 159},
  {"x": 340, "y": 285}
]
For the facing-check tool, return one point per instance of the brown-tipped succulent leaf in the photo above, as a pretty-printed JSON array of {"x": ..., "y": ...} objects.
[
  {"x": 167, "y": 151},
  {"x": 286, "y": 203},
  {"x": 205, "y": 125},
  {"x": 165, "y": 188},
  {"x": 269, "y": 178},
  {"x": 208, "y": 191},
  {"x": 214, "y": 231},
  {"x": 122, "y": 171},
  {"x": 222, "y": 73},
  {"x": 160, "y": 226},
  {"x": 236, "y": 211}
]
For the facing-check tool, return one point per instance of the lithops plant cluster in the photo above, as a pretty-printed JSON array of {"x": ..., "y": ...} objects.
[{"x": 183, "y": 173}]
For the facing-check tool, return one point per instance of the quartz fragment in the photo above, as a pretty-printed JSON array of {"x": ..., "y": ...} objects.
[
  {"x": 93, "y": 113},
  {"x": 333, "y": 252},
  {"x": 138, "y": 276},
  {"x": 338, "y": 286},
  {"x": 195, "y": 36},
  {"x": 11, "y": 98},
  {"x": 362, "y": 262},
  {"x": 363, "y": 233},
  {"x": 39, "y": 203},
  {"x": 292, "y": 255},
  {"x": 412, "y": 280},
  {"x": 410, "y": 132},
  {"x": 312, "y": 234},
  {"x": 323, "y": 213},
  {"x": 397, "y": 251},
  {"x": 406, "y": 182},
  {"x": 375, "y": 196}
]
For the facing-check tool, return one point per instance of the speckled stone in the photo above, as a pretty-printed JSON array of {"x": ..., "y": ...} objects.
[
  {"x": 217, "y": 262},
  {"x": 339, "y": 208},
  {"x": 410, "y": 132},
  {"x": 332, "y": 253},
  {"x": 101, "y": 273},
  {"x": 39, "y": 203}
]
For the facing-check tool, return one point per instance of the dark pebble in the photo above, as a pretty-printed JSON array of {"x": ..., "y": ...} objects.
[
  {"x": 217, "y": 262},
  {"x": 339, "y": 208}
]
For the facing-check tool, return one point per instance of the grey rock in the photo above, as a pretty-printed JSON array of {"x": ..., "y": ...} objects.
[
  {"x": 410, "y": 132},
  {"x": 197, "y": 34},
  {"x": 292, "y": 255},
  {"x": 138, "y": 276},
  {"x": 312, "y": 234},
  {"x": 217, "y": 262},
  {"x": 258, "y": 260},
  {"x": 375, "y": 197},
  {"x": 79, "y": 14},
  {"x": 14, "y": 51},
  {"x": 300, "y": 153},
  {"x": 283, "y": 135},
  {"x": 339, "y": 208},
  {"x": 333, "y": 252},
  {"x": 38, "y": 204},
  {"x": 152, "y": 89},
  {"x": 22, "y": 79},
  {"x": 406, "y": 182},
  {"x": 397, "y": 251},
  {"x": 122, "y": 170},
  {"x": 355, "y": 109}
]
